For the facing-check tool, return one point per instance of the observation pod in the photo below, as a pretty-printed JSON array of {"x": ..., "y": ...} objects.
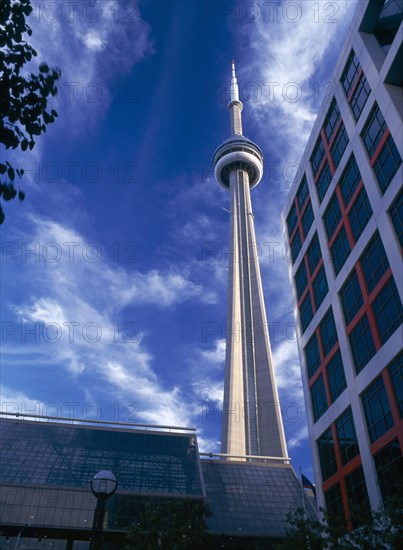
[{"x": 238, "y": 153}]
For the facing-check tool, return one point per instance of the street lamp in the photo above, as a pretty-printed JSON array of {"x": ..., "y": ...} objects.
[{"x": 103, "y": 485}]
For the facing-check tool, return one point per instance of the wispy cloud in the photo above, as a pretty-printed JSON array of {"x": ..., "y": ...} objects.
[
  {"x": 98, "y": 33},
  {"x": 291, "y": 68},
  {"x": 77, "y": 315}
]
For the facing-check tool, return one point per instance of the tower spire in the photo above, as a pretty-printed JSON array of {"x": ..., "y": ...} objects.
[
  {"x": 234, "y": 84},
  {"x": 235, "y": 105},
  {"x": 252, "y": 423}
]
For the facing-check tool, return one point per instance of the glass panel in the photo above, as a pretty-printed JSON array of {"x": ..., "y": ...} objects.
[
  {"x": 373, "y": 131},
  {"x": 335, "y": 376},
  {"x": 360, "y": 214},
  {"x": 312, "y": 355},
  {"x": 347, "y": 436},
  {"x": 351, "y": 297},
  {"x": 320, "y": 287},
  {"x": 377, "y": 409},
  {"x": 349, "y": 180},
  {"x": 340, "y": 250},
  {"x": 314, "y": 254},
  {"x": 350, "y": 73},
  {"x": 327, "y": 456},
  {"x": 388, "y": 311},
  {"x": 318, "y": 398},
  {"x": 396, "y": 375},
  {"x": 387, "y": 164},
  {"x": 323, "y": 181},
  {"x": 361, "y": 344},
  {"x": 328, "y": 332},
  {"x": 339, "y": 145},
  {"x": 301, "y": 279},
  {"x": 306, "y": 312},
  {"x": 374, "y": 262},
  {"x": 302, "y": 193}
]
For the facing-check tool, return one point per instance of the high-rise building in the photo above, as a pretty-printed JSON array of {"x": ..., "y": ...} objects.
[
  {"x": 252, "y": 423},
  {"x": 343, "y": 222}
]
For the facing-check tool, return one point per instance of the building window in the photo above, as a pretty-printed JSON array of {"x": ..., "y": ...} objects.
[
  {"x": 396, "y": 375},
  {"x": 332, "y": 216},
  {"x": 327, "y": 456},
  {"x": 340, "y": 250},
  {"x": 302, "y": 193},
  {"x": 318, "y": 398},
  {"x": 339, "y": 145},
  {"x": 373, "y": 131},
  {"x": 296, "y": 245},
  {"x": 312, "y": 355},
  {"x": 317, "y": 155},
  {"x": 387, "y": 309},
  {"x": 388, "y": 23},
  {"x": 306, "y": 312},
  {"x": 350, "y": 73},
  {"x": 328, "y": 332},
  {"x": 334, "y": 501},
  {"x": 307, "y": 219},
  {"x": 349, "y": 180},
  {"x": 387, "y": 164},
  {"x": 361, "y": 344},
  {"x": 351, "y": 297},
  {"x": 331, "y": 119},
  {"x": 301, "y": 279},
  {"x": 320, "y": 287},
  {"x": 314, "y": 254},
  {"x": 357, "y": 494},
  {"x": 292, "y": 220},
  {"x": 335, "y": 376},
  {"x": 360, "y": 96},
  {"x": 389, "y": 467},
  {"x": 360, "y": 214},
  {"x": 396, "y": 215},
  {"x": 374, "y": 262},
  {"x": 377, "y": 409},
  {"x": 323, "y": 181},
  {"x": 347, "y": 436}
]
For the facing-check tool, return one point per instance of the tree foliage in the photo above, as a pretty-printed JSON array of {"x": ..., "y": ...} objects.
[
  {"x": 378, "y": 530},
  {"x": 179, "y": 525},
  {"x": 23, "y": 97}
]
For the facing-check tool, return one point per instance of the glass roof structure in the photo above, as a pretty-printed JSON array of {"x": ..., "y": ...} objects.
[{"x": 46, "y": 469}]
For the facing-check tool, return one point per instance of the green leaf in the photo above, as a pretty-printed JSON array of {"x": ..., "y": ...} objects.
[
  {"x": 3, "y": 168},
  {"x": 44, "y": 68},
  {"x": 9, "y": 192},
  {"x": 21, "y": 195},
  {"x": 11, "y": 173},
  {"x": 24, "y": 144}
]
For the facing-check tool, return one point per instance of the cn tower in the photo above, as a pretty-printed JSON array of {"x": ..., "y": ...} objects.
[{"x": 252, "y": 423}]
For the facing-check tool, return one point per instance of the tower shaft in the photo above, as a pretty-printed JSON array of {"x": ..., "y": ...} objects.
[{"x": 252, "y": 422}]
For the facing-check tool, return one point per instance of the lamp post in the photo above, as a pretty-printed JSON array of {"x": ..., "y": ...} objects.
[{"x": 103, "y": 485}]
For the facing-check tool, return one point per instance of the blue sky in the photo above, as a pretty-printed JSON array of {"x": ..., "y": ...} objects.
[{"x": 114, "y": 268}]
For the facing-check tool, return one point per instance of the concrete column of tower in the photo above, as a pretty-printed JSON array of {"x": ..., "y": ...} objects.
[{"x": 252, "y": 423}]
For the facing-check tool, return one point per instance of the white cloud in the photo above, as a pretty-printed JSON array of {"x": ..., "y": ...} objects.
[
  {"x": 287, "y": 58},
  {"x": 76, "y": 313},
  {"x": 287, "y": 369},
  {"x": 300, "y": 437},
  {"x": 215, "y": 355},
  {"x": 98, "y": 33},
  {"x": 15, "y": 401}
]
